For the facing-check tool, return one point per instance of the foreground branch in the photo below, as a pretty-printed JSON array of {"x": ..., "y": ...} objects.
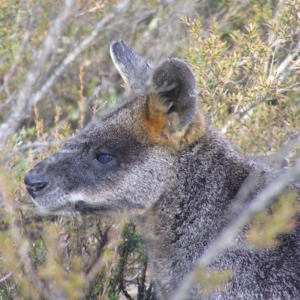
[{"x": 226, "y": 238}]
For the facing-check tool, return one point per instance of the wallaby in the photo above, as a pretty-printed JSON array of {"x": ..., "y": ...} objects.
[{"x": 158, "y": 157}]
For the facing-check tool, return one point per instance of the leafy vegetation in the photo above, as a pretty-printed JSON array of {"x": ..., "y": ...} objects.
[{"x": 56, "y": 75}]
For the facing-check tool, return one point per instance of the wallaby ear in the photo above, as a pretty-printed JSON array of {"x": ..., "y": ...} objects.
[
  {"x": 134, "y": 70},
  {"x": 172, "y": 116}
]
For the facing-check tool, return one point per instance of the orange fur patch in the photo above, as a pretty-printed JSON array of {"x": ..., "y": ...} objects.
[{"x": 162, "y": 126}]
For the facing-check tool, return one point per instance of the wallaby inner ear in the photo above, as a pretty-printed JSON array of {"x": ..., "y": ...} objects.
[
  {"x": 172, "y": 117},
  {"x": 134, "y": 70}
]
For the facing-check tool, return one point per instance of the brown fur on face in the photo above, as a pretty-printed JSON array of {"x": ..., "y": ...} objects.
[
  {"x": 163, "y": 127},
  {"x": 170, "y": 117}
]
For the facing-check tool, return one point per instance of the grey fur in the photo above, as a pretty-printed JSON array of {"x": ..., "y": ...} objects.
[
  {"x": 134, "y": 70},
  {"x": 183, "y": 199}
]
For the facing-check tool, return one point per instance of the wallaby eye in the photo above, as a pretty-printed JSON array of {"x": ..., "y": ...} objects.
[{"x": 104, "y": 158}]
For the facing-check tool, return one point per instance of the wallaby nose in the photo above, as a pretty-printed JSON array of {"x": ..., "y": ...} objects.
[{"x": 35, "y": 184}]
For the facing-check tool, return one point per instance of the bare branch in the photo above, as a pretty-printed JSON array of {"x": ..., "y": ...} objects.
[
  {"x": 23, "y": 104},
  {"x": 243, "y": 112},
  {"x": 72, "y": 55},
  {"x": 289, "y": 58},
  {"x": 35, "y": 145},
  {"x": 14, "y": 66},
  {"x": 25, "y": 99}
]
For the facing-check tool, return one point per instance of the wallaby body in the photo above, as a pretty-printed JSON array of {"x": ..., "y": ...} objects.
[{"x": 158, "y": 157}]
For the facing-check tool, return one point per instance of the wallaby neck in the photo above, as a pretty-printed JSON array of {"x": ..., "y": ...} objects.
[
  {"x": 194, "y": 207},
  {"x": 208, "y": 176}
]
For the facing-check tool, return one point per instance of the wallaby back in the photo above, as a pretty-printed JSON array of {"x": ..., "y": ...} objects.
[{"x": 157, "y": 157}]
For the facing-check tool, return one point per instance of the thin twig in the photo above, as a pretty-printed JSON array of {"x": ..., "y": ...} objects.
[
  {"x": 17, "y": 59},
  {"x": 243, "y": 112},
  {"x": 35, "y": 145},
  {"x": 289, "y": 58},
  {"x": 101, "y": 26},
  {"x": 24, "y": 104},
  {"x": 25, "y": 99}
]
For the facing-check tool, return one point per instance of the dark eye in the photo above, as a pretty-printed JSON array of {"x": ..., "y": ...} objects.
[{"x": 104, "y": 158}]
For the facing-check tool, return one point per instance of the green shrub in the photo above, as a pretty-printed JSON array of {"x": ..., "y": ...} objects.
[{"x": 245, "y": 57}]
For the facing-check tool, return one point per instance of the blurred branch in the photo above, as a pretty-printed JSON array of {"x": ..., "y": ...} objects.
[
  {"x": 289, "y": 58},
  {"x": 122, "y": 7},
  {"x": 23, "y": 105},
  {"x": 226, "y": 238},
  {"x": 27, "y": 265},
  {"x": 242, "y": 5},
  {"x": 102, "y": 241},
  {"x": 9, "y": 274},
  {"x": 294, "y": 140},
  {"x": 35, "y": 145},
  {"x": 291, "y": 69},
  {"x": 26, "y": 100},
  {"x": 145, "y": 17},
  {"x": 142, "y": 281},
  {"x": 94, "y": 284},
  {"x": 243, "y": 112},
  {"x": 14, "y": 66}
]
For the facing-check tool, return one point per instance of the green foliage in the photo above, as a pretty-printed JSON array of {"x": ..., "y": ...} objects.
[
  {"x": 245, "y": 76},
  {"x": 212, "y": 280},
  {"x": 267, "y": 227},
  {"x": 245, "y": 57}
]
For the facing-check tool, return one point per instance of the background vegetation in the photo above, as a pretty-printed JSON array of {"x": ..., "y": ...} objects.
[{"x": 56, "y": 75}]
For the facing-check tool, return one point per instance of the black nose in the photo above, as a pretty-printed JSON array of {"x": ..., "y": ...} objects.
[{"x": 35, "y": 184}]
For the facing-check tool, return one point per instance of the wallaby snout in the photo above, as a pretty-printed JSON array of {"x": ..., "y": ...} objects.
[{"x": 35, "y": 185}]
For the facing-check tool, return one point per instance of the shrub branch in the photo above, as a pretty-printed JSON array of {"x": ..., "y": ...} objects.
[{"x": 25, "y": 99}]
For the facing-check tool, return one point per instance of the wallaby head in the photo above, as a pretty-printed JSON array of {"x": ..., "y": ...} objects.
[{"x": 122, "y": 161}]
